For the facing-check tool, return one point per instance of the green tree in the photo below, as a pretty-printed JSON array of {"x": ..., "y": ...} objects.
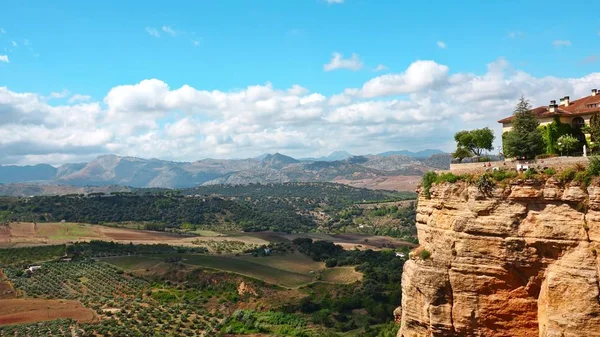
[
  {"x": 593, "y": 130},
  {"x": 525, "y": 139},
  {"x": 566, "y": 144},
  {"x": 475, "y": 141},
  {"x": 461, "y": 153}
]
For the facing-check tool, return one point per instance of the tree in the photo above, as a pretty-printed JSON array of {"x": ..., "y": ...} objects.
[
  {"x": 461, "y": 153},
  {"x": 475, "y": 141},
  {"x": 593, "y": 130},
  {"x": 566, "y": 144},
  {"x": 525, "y": 138}
]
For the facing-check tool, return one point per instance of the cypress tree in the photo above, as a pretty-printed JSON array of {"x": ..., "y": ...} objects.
[{"x": 525, "y": 139}]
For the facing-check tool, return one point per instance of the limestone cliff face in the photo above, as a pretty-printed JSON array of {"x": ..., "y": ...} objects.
[{"x": 520, "y": 260}]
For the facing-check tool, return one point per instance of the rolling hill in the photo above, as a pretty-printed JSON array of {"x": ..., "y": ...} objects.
[{"x": 272, "y": 168}]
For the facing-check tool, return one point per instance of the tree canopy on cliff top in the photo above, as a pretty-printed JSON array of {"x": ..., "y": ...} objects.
[
  {"x": 525, "y": 139},
  {"x": 474, "y": 141}
]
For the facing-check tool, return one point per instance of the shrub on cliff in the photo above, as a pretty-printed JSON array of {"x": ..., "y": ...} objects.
[
  {"x": 502, "y": 174},
  {"x": 594, "y": 167},
  {"x": 567, "y": 175},
  {"x": 428, "y": 179}
]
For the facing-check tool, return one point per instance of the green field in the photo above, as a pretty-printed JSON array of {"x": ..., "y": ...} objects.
[
  {"x": 292, "y": 270},
  {"x": 249, "y": 268},
  {"x": 133, "y": 262},
  {"x": 65, "y": 231},
  {"x": 204, "y": 232},
  {"x": 341, "y": 275}
]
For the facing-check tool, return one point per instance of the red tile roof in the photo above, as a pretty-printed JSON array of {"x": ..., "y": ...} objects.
[{"x": 576, "y": 108}]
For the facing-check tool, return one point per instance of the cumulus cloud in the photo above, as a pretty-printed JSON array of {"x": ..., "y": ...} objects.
[
  {"x": 4, "y": 58},
  {"x": 441, "y": 44},
  {"x": 339, "y": 62},
  {"x": 418, "y": 76},
  {"x": 561, "y": 43},
  {"x": 380, "y": 67},
  {"x": 420, "y": 107}
]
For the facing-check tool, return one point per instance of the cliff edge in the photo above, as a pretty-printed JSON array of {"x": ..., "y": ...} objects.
[{"x": 517, "y": 260}]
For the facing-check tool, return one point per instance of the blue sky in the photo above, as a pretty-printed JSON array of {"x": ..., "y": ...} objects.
[{"x": 88, "y": 48}]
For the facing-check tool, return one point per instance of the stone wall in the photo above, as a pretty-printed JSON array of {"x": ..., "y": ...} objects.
[{"x": 557, "y": 163}]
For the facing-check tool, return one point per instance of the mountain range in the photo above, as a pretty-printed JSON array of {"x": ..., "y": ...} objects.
[{"x": 271, "y": 168}]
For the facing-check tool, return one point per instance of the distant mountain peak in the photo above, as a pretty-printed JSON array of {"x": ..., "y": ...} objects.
[
  {"x": 418, "y": 154},
  {"x": 279, "y": 158},
  {"x": 333, "y": 156}
]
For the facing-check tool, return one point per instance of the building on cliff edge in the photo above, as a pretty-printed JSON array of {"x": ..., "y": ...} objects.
[{"x": 577, "y": 113}]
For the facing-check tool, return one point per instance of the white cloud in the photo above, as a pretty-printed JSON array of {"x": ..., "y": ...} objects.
[
  {"x": 152, "y": 32},
  {"x": 2, "y": 31},
  {"x": 79, "y": 98},
  {"x": 335, "y": 1},
  {"x": 418, "y": 76},
  {"x": 380, "y": 67},
  {"x": 196, "y": 43},
  {"x": 561, "y": 43},
  {"x": 169, "y": 30},
  {"x": 4, "y": 58},
  {"x": 441, "y": 44},
  {"x": 61, "y": 94},
  {"x": 14, "y": 43},
  {"x": 339, "y": 62},
  {"x": 428, "y": 104}
]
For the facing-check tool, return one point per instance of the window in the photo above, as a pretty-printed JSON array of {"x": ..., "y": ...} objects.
[
  {"x": 577, "y": 123},
  {"x": 593, "y": 105}
]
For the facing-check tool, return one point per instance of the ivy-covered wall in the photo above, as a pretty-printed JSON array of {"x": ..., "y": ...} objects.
[{"x": 551, "y": 132}]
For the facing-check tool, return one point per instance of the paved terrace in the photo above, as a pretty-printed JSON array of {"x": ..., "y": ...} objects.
[{"x": 558, "y": 163}]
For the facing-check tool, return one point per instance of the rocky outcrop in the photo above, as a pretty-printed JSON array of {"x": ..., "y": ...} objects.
[{"x": 516, "y": 261}]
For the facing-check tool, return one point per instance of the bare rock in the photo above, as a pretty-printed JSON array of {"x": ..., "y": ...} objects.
[{"x": 515, "y": 262}]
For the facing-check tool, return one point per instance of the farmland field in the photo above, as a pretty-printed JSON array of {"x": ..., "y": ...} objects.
[
  {"x": 13, "y": 311},
  {"x": 134, "y": 262},
  {"x": 273, "y": 269},
  {"x": 341, "y": 275}
]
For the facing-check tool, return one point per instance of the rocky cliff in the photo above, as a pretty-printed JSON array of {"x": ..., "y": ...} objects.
[{"x": 517, "y": 260}]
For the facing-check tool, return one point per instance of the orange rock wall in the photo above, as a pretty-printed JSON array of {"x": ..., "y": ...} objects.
[{"x": 518, "y": 261}]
